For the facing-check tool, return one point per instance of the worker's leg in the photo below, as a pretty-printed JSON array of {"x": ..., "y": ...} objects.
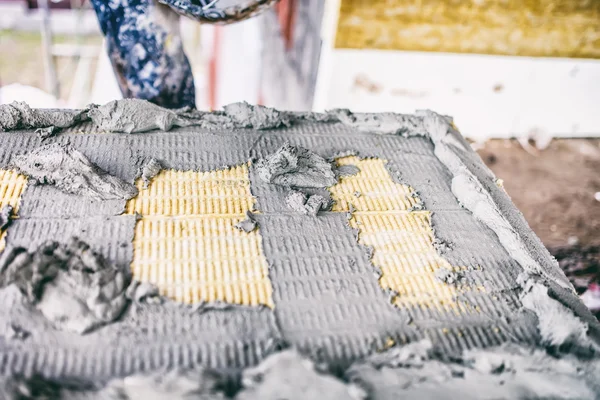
[{"x": 146, "y": 51}]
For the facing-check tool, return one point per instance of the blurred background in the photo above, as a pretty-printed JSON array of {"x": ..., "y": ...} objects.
[{"x": 520, "y": 77}]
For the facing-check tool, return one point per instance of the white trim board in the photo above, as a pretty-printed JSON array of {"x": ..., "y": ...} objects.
[
  {"x": 331, "y": 14},
  {"x": 488, "y": 96}
]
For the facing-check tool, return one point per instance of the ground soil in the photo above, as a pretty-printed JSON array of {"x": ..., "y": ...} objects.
[{"x": 555, "y": 189}]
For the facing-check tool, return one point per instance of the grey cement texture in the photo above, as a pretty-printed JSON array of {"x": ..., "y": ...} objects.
[
  {"x": 137, "y": 116},
  {"x": 507, "y": 372},
  {"x": 248, "y": 224},
  {"x": 294, "y": 166},
  {"x": 6, "y": 214},
  {"x": 245, "y": 115},
  {"x": 18, "y": 115},
  {"x": 307, "y": 205},
  {"x": 74, "y": 288},
  {"x": 70, "y": 171},
  {"x": 133, "y": 115},
  {"x": 328, "y": 303},
  {"x": 150, "y": 168},
  {"x": 410, "y": 371}
]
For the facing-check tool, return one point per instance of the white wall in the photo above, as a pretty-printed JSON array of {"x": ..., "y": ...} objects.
[{"x": 487, "y": 95}]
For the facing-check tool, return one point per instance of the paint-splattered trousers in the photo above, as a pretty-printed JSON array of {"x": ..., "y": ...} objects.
[{"x": 145, "y": 48}]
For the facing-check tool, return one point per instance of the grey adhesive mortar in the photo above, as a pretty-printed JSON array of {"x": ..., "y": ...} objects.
[
  {"x": 67, "y": 169},
  {"x": 147, "y": 337},
  {"x": 133, "y": 115},
  {"x": 307, "y": 204},
  {"x": 6, "y": 214},
  {"x": 410, "y": 156},
  {"x": 74, "y": 288},
  {"x": 324, "y": 285},
  {"x": 137, "y": 116},
  {"x": 506, "y": 372},
  {"x": 195, "y": 336},
  {"x": 248, "y": 224},
  {"x": 18, "y": 115},
  {"x": 294, "y": 166},
  {"x": 415, "y": 370},
  {"x": 150, "y": 168}
]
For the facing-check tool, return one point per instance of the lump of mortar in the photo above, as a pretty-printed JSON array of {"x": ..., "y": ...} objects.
[
  {"x": 70, "y": 285},
  {"x": 20, "y": 388},
  {"x": 507, "y": 372},
  {"x": 17, "y": 333},
  {"x": 245, "y": 115},
  {"x": 412, "y": 355},
  {"x": 150, "y": 169},
  {"x": 296, "y": 201},
  {"x": 442, "y": 246},
  {"x": 381, "y": 123},
  {"x": 177, "y": 384},
  {"x": 307, "y": 205},
  {"x": 135, "y": 115},
  {"x": 198, "y": 384},
  {"x": 248, "y": 224},
  {"x": 70, "y": 171},
  {"x": 473, "y": 195},
  {"x": 10, "y": 117},
  {"x": 558, "y": 326},
  {"x": 6, "y": 213},
  {"x": 141, "y": 292},
  {"x": 417, "y": 207},
  {"x": 45, "y": 133},
  {"x": 450, "y": 277},
  {"x": 288, "y": 375},
  {"x": 296, "y": 166},
  {"x": 18, "y": 115},
  {"x": 312, "y": 116},
  {"x": 347, "y": 170}
]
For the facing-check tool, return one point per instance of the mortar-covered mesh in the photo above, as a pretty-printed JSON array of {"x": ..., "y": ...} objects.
[
  {"x": 186, "y": 243},
  {"x": 12, "y": 185},
  {"x": 400, "y": 237}
]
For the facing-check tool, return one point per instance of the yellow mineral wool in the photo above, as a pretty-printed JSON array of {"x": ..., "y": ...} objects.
[
  {"x": 186, "y": 243},
  {"x": 401, "y": 239},
  {"x": 538, "y": 28},
  {"x": 12, "y": 185}
]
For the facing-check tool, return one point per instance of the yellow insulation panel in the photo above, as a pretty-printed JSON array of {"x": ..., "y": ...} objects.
[
  {"x": 186, "y": 193},
  {"x": 539, "y": 28},
  {"x": 186, "y": 243},
  {"x": 401, "y": 239},
  {"x": 12, "y": 185}
]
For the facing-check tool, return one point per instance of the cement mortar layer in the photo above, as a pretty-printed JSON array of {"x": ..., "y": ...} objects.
[
  {"x": 6, "y": 214},
  {"x": 563, "y": 324},
  {"x": 135, "y": 116},
  {"x": 412, "y": 371},
  {"x": 248, "y": 224},
  {"x": 18, "y": 115},
  {"x": 70, "y": 171},
  {"x": 150, "y": 168},
  {"x": 70, "y": 285}
]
